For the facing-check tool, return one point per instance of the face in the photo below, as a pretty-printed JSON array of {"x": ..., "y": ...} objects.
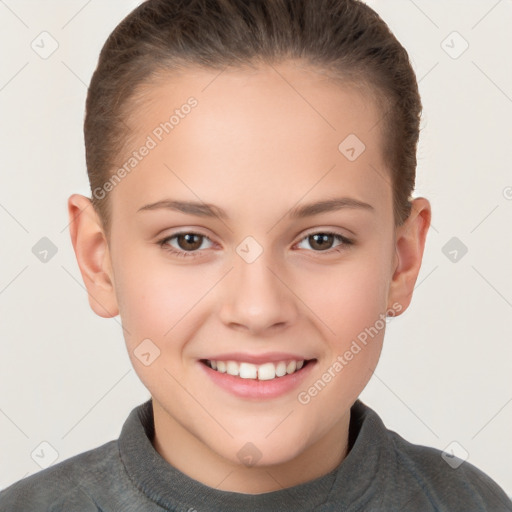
[{"x": 247, "y": 239}]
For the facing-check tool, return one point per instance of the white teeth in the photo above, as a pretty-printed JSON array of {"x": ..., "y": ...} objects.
[
  {"x": 248, "y": 371},
  {"x": 232, "y": 368},
  {"x": 281, "y": 369},
  {"x": 266, "y": 371}
]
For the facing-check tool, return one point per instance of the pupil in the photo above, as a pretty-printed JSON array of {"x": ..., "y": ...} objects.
[
  {"x": 189, "y": 241},
  {"x": 319, "y": 239}
]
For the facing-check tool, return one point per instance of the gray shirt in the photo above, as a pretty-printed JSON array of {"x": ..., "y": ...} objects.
[{"x": 382, "y": 472}]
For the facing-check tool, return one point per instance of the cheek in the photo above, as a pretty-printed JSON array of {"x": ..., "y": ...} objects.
[
  {"x": 155, "y": 301},
  {"x": 353, "y": 323},
  {"x": 153, "y": 297},
  {"x": 350, "y": 296}
]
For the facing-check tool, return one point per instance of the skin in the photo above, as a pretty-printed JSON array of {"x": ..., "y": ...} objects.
[{"x": 256, "y": 147}]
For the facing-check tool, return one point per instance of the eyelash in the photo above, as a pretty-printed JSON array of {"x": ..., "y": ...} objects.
[{"x": 192, "y": 254}]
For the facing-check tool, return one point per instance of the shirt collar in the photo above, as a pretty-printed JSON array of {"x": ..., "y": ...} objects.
[{"x": 170, "y": 488}]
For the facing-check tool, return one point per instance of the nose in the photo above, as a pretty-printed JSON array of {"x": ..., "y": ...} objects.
[{"x": 256, "y": 298}]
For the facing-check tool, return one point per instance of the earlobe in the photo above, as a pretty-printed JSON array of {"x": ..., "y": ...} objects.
[
  {"x": 410, "y": 244},
  {"x": 93, "y": 255}
]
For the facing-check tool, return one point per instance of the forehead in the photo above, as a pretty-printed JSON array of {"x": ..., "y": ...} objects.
[{"x": 270, "y": 134}]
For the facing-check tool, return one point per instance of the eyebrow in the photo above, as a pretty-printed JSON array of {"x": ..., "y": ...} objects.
[{"x": 299, "y": 212}]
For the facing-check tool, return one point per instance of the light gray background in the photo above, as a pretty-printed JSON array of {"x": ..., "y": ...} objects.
[{"x": 445, "y": 371}]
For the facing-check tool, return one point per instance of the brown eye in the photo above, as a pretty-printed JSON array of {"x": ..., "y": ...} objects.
[
  {"x": 185, "y": 244},
  {"x": 189, "y": 241},
  {"x": 321, "y": 241},
  {"x": 325, "y": 242}
]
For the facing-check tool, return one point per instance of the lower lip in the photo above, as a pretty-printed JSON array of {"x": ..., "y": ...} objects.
[{"x": 258, "y": 389}]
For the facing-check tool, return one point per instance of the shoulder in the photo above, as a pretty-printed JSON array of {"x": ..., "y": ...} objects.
[
  {"x": 449, "y": 483},
  {"x": 63, "y": 486}
]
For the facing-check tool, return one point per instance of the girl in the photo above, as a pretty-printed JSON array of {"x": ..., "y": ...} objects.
[{"x": 251, "y": 221}]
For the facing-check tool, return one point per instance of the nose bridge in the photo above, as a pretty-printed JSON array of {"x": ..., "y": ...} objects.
[{"x": 256, "y": 298}]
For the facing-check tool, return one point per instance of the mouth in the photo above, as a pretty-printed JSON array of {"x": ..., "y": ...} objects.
[
  {"x": 261, "y": 372},
  {"x": 259, "y": 379}
]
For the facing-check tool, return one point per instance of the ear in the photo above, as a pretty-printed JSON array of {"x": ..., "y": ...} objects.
[
  {"x": 410, "y": 242},
  {"x": 93, "y": 255}
]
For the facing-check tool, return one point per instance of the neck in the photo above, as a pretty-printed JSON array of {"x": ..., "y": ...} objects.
[{"x": 187, "y": 453}]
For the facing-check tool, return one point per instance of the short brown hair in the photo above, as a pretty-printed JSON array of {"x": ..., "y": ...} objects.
[{"x": 345, "y": 37}]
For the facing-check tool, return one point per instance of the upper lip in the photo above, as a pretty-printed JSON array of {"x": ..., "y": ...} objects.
[{"x": 269, "y": 357}]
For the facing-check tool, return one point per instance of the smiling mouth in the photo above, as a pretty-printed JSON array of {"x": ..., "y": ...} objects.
[{"x": 265, "y": 371}]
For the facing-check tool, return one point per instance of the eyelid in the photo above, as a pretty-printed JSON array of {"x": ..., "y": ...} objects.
[
  {"x": 189, "y": 232},
  {"x": 332, "y": 230},
  {"x": 345, "y": 242},
  {"x": 183, "y": 231},
  {"x": 326, "y": 231}
]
